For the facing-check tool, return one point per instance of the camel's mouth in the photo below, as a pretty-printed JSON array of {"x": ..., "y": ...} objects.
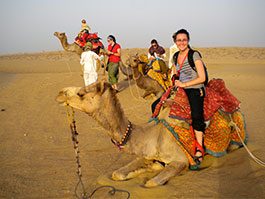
[
  {"x": 61, "y": 99},
  {"x": 67, "y": 93}
]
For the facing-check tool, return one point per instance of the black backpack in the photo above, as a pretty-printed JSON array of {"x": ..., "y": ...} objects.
[{"x": 191, "y": 62}]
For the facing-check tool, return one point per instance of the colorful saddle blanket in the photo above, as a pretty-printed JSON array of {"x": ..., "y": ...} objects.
[
  {"x": 159, "y": 71},
  {"x": 163, "y": 80},
  {"x": 218, "y": 103},
  {"x": 220, "y": 134},
  {"x": 218, "y": 97}
]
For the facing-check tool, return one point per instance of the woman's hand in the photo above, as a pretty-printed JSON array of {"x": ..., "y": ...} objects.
[
  {"x": 168, "y": 102},
  {"x": 180, "y": 84},
  {"x": 152, "y": 58},
  {"x": 110, "y": 53}
]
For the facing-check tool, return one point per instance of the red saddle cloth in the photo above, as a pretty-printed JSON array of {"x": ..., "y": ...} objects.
[
  {"x": 82, "y": 39},
  {"x": 217, "y": 97}
]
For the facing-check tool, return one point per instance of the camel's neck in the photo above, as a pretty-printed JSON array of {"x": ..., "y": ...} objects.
[
  {"x": 64, "y": 43},
  {"x": 111, "y": 117},
  {"x": 136, "y": 73}
]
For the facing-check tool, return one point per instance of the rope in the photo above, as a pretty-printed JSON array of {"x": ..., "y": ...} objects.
[
  {"x": 257, "y": 160},
  {"x": 111, "y": 192},
  {"x": 66, "y": 62},
  {"x": 84, "y": 194},
  {"x": 77, "y": 152},
  {"x": 139, "y": 98}
]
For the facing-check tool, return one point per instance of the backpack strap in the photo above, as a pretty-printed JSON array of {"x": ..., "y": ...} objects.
[
  {"x": 192, "y": 64},
  {"x": 190, "y": 58}
]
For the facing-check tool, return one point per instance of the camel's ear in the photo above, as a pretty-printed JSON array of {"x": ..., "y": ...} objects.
[
  {"x": 102, "y": 86},
  {"x": 63, "y": 33}
]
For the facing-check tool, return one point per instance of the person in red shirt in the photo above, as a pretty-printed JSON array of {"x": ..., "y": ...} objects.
[
  {"x": 114, "y": 53},
  {"x": 82, "y": 38}
]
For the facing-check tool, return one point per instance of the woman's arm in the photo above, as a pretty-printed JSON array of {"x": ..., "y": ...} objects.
[{"x": 118, "y": 53}]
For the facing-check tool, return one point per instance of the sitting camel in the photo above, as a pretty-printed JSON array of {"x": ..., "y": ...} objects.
[
  {"x": 155, "y": 146},
  {"x": 141, "y": 62},
  {"x": 144, "y": 82},
  {"x": 76, "y": 49}
]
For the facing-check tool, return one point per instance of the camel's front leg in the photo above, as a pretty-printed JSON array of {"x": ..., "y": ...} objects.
[
  {"x": 131, "y": 170},
  {"x": 170, "y": 170}
]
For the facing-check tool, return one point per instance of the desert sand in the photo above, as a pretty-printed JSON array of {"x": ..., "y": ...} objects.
[{"x": 36, "y": 151}]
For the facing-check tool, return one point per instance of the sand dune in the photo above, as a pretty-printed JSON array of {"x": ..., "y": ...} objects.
[{"x": 37, "y": 156}]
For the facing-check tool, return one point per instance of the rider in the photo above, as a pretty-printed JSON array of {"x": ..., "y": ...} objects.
[
  {"x": 83, "y": 35},
  {"x": 193, "y": 84},
  {"x": 155, "y": 51},
  {"x": 85, "y": 26},
  {"x": 156, "y": 55}
]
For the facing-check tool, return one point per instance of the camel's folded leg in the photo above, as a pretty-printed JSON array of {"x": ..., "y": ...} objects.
[
  {"x": 170, "y": 170},
  {"x": 131, "y": 170}
]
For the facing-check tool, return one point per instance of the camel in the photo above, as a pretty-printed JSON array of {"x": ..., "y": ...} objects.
[
  {"x": 66, "y": 46},
  {"x": 146, "y": 83},
  {"x": 76, "y": 49},
  {"x": 156, "y": 148}
]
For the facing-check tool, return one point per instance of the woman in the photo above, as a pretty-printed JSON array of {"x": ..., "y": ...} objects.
[
  {"x": 192, "y": 81},
  {"x": 114, "y": 53}
]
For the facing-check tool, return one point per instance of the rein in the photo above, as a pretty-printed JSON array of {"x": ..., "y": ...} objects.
[
  {"x": 125, "y": 137},
  {"x": 136, "y": 78},
  {"x": 72, "y": 124},
  {"x": 85, "y": 195}
]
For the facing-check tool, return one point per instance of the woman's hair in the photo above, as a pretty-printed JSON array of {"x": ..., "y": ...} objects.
[
  {"x": 111, "y": 37},
  {"x": 154, "y": 41},
  {"x": 181, "y": 31}
]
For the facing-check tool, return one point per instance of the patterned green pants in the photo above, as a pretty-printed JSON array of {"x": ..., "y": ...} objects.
[{"x": 113, "y": 72}]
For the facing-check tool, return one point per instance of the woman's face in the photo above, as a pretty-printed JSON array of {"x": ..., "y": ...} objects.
[
  {"x": 182, "y": 41},
  {"x": 110, "y": 41}
]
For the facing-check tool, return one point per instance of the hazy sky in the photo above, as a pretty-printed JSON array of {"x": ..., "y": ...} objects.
[{"x": 28, "y": 25}]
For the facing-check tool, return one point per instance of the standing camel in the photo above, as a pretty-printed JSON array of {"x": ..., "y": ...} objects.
[
  {"x": 153, "y": 144},
  {"x": 66, "y": 46},
  {"x": 76, "y": 49}
]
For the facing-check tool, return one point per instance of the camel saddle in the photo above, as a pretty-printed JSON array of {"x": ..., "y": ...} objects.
[
  {"x": 81, "y": 40},
  {"x": 217, "y": 97}
]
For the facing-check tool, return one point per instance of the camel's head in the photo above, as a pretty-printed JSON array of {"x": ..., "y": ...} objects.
[
  {"x": 133, "y": 61},
  {"x": 59, "y": 35},
  {"x": 139, "y": 61},
  {"x": 87, "y": 99}
]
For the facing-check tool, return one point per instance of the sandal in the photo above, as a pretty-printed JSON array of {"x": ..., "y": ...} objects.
[{"x": 200, "y": 149}]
